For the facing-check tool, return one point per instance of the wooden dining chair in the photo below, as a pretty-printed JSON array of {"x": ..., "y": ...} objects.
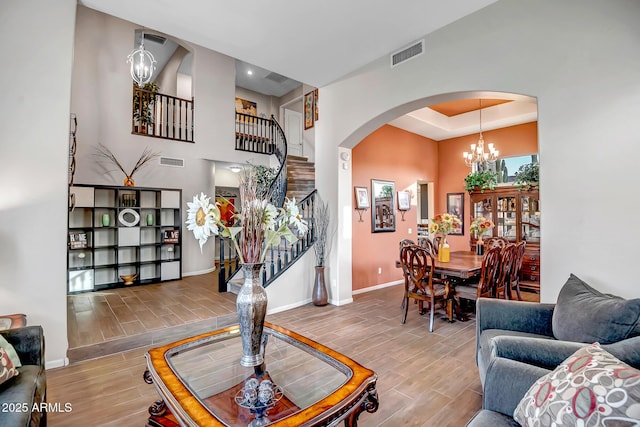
[
  {"x": 406, "y": 242},
  {"x": 417, "y": 265},
  {"x": 484, "y": 287},
  {"x": 516, "y": 268},
  {"x": 403, "y": 243},
  {"x": 426, "y": 243},
  {"x": 503, "y": 283},
  {"x": 490, "y": 242},
  {"x": 436, "y": 243}
]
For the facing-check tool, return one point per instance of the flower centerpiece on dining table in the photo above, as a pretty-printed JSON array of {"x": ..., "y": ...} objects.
[
  {"x": 444, "y": 224},
  {"x": 480, "y": 226},
  {"x": 258, "y": 226}
]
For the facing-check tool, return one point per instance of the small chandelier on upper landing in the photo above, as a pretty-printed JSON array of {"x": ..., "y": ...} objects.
[
  {"x": 477, "y": 154},
  {"x": 143, "y": 64}
]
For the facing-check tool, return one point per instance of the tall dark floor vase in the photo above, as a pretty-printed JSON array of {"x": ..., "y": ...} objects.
[
  {"x": 320, "y": 296},
  {"x": 252, "y": 308}
]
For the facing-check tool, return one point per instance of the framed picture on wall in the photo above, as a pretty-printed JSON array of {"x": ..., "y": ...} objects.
[
  {"x": 362, "y": 198},
  {"x": 404, "y": 200},
  {"x": 309, "y": 108},
  {"x": 455, "y": 206},
  {"x": 316, "y": 115},
  {"x": 246, "y": 107}
]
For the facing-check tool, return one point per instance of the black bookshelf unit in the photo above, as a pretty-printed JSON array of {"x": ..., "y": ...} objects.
[{"x": 123, "y": 231}]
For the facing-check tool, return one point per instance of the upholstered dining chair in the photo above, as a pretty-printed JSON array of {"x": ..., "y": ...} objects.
[
  {"x": 507, "y": 260},
  {"x": 514, "y": 282},
  {"x": 484, "y": 287},
  {"x": 490, "y": 242},
  {"x": 417, "y": 265}
]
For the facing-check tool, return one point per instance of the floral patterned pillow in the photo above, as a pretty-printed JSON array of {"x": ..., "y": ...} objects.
[
  {"x": 590, "y": 388},
  {"x": 7, "y": 370}
]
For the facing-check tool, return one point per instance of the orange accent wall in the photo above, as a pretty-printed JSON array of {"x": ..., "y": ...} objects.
[
  {"x": 393, "y": 154},
  {"x": 390, "y": 154}
]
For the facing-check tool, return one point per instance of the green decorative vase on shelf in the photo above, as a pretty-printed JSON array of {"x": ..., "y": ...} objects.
[
  {"x": 149, "y": 219},
  {"x": 106, "y": 220}
]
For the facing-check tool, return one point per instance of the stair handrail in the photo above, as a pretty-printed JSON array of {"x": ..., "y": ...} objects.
[
  {"x": 280, "y": 258},
  {"x": 278, "y": 188}
]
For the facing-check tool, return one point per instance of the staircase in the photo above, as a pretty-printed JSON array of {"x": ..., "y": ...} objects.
[
  {"x": 301, "y": 177},
  {"x": 295, "y": 178}
]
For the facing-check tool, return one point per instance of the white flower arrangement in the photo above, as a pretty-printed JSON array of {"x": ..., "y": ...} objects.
[{"x": 259, "y": 224}]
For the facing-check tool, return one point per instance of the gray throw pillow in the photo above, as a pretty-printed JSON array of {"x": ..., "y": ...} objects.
[{"x": 582, "y": 314}]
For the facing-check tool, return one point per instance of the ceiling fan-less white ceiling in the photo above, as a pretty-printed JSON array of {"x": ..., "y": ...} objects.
[{"x": 312, "y": 42}]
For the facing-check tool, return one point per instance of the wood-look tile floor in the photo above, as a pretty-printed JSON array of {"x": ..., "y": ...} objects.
[
  {"x": 424, "y": 379},
  {"x": 110, "y": 321}
]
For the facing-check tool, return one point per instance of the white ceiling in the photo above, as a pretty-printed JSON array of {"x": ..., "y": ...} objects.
[{"x": 316, "y": 43}]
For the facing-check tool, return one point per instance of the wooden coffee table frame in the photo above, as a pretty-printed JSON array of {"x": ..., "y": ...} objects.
[{"x": 356, "y": 395}]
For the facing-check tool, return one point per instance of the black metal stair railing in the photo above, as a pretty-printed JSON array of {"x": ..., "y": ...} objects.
[{"x": 279, "y": 258}]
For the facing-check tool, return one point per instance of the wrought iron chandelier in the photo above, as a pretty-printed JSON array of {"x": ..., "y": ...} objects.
[
  {"x": 477, "y": 154},
  {"x": 143, "y": 64}
]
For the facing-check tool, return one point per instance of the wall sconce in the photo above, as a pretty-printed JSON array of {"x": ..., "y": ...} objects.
[{"x": 235, "y": 169}]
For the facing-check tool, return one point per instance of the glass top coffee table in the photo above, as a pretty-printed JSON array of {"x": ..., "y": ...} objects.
[{"x": 301, "y": 383}]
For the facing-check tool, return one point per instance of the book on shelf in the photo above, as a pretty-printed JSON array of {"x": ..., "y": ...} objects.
[
  {"x": 77, "y": 240},
  {"x": 170, "y": 236}
]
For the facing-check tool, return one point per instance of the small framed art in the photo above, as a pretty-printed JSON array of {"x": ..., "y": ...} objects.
[{"x": 362, "y": 198}]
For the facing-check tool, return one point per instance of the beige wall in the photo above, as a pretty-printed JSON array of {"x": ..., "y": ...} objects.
[{"x": 38, "y": 36}]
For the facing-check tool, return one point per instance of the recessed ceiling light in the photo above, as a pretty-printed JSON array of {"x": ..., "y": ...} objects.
[
  {"x": 235, "y": 168},
  {"x": 250, "y": 72}
]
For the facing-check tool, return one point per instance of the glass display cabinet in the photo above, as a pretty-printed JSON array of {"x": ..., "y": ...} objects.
[{"x": 516, "y": 215}]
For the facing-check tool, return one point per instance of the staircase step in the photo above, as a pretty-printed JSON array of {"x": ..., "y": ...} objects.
[{"x": 298, "y": 158}]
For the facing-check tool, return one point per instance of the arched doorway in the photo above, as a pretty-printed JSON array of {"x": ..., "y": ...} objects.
[{"x": 419, "y": 146}]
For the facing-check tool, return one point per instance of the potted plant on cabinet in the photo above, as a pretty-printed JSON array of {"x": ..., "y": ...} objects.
[
  {"x": 322, "y": 219},
  {"x": 481, "y": 180}
]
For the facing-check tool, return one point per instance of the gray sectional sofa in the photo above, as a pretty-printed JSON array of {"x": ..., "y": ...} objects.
[
  {"x": 519, "y": 342},
  {"x": 20, "y": 394}
]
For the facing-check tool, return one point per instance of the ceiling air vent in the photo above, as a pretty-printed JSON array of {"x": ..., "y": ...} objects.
[
  {"x": 406, "y": 54},
  {"x": 154, "y": 38},
  {"x": 276, "y": 77},
  {"x": 168, "y": 161}
]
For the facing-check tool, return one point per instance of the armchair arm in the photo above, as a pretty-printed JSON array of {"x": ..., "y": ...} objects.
[
  {"x": 492, "y": 313},
  {"x": 28, "y": 342},
  {"x": 540, "y": 352},
  {"x": 626, "y": 350},
  {"x": 506, "y": 384}
]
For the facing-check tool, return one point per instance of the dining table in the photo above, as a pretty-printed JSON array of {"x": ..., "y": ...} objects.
[{"x": 462, "y": 265}]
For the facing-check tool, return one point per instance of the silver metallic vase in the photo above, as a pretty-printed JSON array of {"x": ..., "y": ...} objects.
[{"x": 252, "y": 308}]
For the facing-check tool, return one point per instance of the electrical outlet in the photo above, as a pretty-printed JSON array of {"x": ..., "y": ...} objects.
[
  {"x": 379, "y": 270},
  {"x": 409, "y": 231}
]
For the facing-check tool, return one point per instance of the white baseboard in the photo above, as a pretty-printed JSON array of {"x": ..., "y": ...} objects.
[
  {"x": 289, "y": 307},
  {"x": 341, "y": 302},
  {"x": 197, "y": 273},
  {"x": 376, "y": 287},
  {"x": 59, "y": 363}
]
